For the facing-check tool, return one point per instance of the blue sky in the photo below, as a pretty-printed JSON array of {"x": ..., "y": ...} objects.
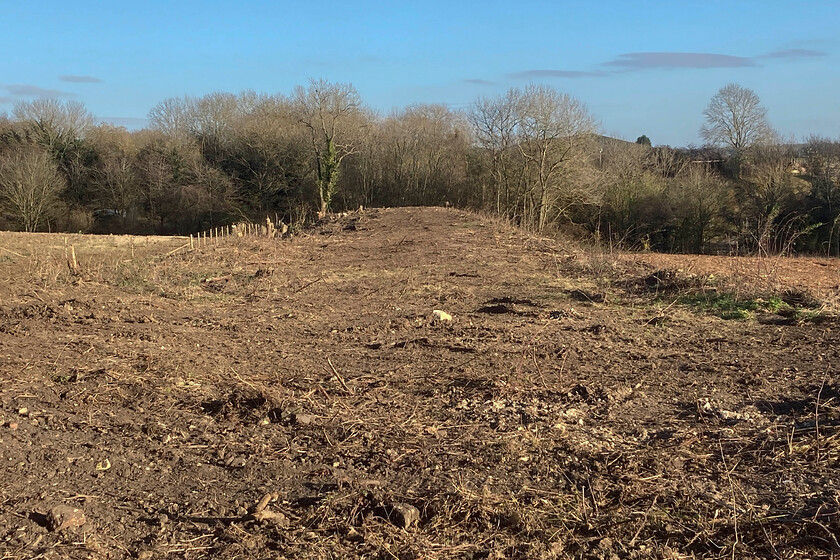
[{"x": 643, "y": 67}]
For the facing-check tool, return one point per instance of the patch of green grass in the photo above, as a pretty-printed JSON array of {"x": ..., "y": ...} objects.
[
  {"x": 815, "y": 316},
  {"x": 727, "y": 306}
]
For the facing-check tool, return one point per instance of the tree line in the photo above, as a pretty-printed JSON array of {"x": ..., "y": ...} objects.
[{"x": 531, "y": 155}]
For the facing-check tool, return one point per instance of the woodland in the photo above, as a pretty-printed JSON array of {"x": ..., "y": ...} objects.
[{"x": 533, "y": 156}]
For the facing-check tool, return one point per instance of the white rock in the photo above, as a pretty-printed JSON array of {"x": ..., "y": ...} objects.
[{"x": 442, "y": 316}]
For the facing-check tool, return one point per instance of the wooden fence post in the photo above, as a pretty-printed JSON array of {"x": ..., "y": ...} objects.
[{"x": 71, "y": 262}]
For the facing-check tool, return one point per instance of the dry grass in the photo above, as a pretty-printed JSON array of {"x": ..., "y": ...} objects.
[{"x": 45, "y": 260}]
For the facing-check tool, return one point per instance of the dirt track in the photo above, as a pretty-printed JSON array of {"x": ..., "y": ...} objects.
[{"x": 542, "y": 422}]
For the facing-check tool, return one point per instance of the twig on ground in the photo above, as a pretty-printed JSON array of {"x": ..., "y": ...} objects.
[
  {"x": 632, "y": 542},
  {"x": 175, "y": 250},
  {"x": 817, "y": 417},
  {"x": 297, "y": 291},
  {"x": 734, "y": 506},
  {"x": 12, "y": 252},
  {"x": 339, "y": 378}
]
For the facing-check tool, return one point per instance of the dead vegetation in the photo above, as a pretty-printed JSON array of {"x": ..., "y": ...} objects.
[{"x": 299, "y": 399}]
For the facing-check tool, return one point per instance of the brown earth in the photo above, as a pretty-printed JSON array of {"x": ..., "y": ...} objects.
[
  {"x": 295, "y": 398},
  {"x": 817, "y": 276}
]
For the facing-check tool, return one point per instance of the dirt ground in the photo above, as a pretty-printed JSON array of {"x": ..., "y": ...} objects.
[
  {"x": 819, "y": 276},
  {"x": 298, "y": 398}
]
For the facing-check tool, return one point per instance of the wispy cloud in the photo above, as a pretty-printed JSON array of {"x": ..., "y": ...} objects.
[
  {"x": 648, "y": 60},
  {"x": 572, "y": 74},
  {"x": 664, "y": 60},
  {"x": 80, "y": 79},
  {"x": 29, "y": 90},
  {"x": 479, "y": 82},
  {"x": 6, "y": 99},
  {"x": 794, "y": 53}
]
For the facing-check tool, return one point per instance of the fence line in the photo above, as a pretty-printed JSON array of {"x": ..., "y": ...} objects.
[{"x": 213, "y": 235}]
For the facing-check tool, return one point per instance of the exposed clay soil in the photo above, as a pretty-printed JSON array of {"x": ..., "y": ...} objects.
[{"x": 267, "y": 398}]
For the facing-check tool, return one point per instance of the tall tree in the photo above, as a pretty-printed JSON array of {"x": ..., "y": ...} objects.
[
  {"x": 822, "y": 163},
  {"x": 736, "y": 118},
  {"x": 698, "y": 198},
  {"x": 553, "y": 130},
  {"x": 494, "y": 122},
  {"x": 115, "y": 182},
  {"x": 332, "y": 114},
  {"x": 423, "y": 156},
  {"x": 175, "y": 117},
  {"x": 268, "y": 157},
  {"x": 537, "y": 138},
  {"x": 61, "y": 127},
  {"x": 629, "y": 211},
  {"x": 30, "y": 184},
  {"x": 57, "y": 124}
]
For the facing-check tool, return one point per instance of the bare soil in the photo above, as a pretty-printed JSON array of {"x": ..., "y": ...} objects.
[
  {"x": 296, "y": 398},
  {"x": 772, "y": 274}
]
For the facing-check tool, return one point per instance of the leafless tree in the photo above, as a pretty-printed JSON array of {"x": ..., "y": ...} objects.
[
  {"x": 665, "y": 161},
  {"x": 538, "y": 138},
  {"x": 770, "y": 196},
  {"x": 494, "y": 122},
  {"x": 58, "y": 126},
  {"x": 822, "y": 164},
  {"x": 175, "y": 117},
  {"x": 68, "y": 118},
  {"x": 332, "y": 114},
  {"x": 117, "y": 183},
  {"x": 157, "y": 177},
  {"x": 423, "y": 155},
  {"x": 115, "y": 179},
  {"x": 736, "y": 118},
  {"x": 554, "y": 130},
  {"x": 30, "y": 184},
  {"x": 207, "y": 194},
  {"x": 269, "y": 155},
  {"x": 627, "y": 187},
  {"x": 215, "y": 118}
]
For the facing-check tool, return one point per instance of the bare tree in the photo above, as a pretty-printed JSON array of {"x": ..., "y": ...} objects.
[
  {"x": 30, "y": 184},
  {"x": 215, "y": 119},
  {"x": 174, "y": 116},
  {"x": 332, "y": 113},
  {"x": 736, "y": 118},
  {"x": 665, "y": 162},
  {"x": 269, "y": 156},
  {"x": 423, "y": 155},
  {"x": 207, "y": 195},
  {"x": 553, "y": 130},
  {"x": 627, "y": 189},
  {"x": 59, "y": 126},
  {"x": 55, "y": 118},
  {"x": 494, "y": 122},
  {"x": 822, "y": 163},
  {"x": 770, "y": 197},
  {"x": 157, "y": 177},
  {"x": 537, "y": 139},
  {"x": 115, "y": 181}
]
